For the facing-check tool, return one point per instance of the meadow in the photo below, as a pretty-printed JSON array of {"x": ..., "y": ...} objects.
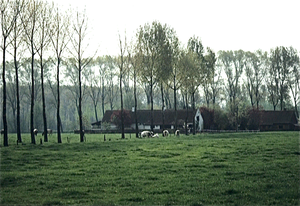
[{"x": 205, "y": 169}]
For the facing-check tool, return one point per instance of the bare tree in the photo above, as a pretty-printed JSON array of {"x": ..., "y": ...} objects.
[
  {"x": 59, "y": 38},
  {"x": 77, "y": 50},
  {"x": 17, "y": 43},
  {"x": 9, "y": 14},
  {"x": 30, "y": 23},
  {"x": 121, "y": 65},
  {"x": 43, "y": 40}
]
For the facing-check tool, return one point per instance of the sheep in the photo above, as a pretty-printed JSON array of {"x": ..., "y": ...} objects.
[
  {"x": 49, "y": 131},
  {"x": 155, "y": 135},
  {"x": 35, "y": 132},
  {"x": 177, "y": 132},
  {"x": 165, "y": 133}
]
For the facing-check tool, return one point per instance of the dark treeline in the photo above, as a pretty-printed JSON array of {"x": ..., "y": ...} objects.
[{"x": 49, "y": 82}]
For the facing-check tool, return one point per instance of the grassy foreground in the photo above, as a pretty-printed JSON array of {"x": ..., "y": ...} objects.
[{"x": 206, "y": 169}]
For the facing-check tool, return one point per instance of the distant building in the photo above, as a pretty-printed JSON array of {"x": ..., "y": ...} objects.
[
  {"x": 144, "y": 119},
  {"x": 278, "y": 121}
]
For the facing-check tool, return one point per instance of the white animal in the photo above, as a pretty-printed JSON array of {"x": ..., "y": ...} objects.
[
  {"x": 177, "y": 132},
  {"x": 165, "y": 133},
  {"x": 156, "y": 135},
  {"x": 35, "y": 132},
  {"x": 49, "y": 131},
  {"x": 146, "y": 134}
]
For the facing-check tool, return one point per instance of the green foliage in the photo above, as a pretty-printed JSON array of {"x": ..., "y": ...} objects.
[{"x": 206, "y": 169}]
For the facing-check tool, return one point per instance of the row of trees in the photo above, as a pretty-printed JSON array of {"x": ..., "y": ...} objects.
[{"x": 43, "y": 40}]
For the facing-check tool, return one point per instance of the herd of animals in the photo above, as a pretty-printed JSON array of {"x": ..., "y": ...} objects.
[
  {"x": 149, "y": 134},
  {"x": 143, "y": 134}
]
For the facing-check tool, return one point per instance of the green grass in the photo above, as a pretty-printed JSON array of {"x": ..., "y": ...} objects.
[{"x": 206, "y": 169}]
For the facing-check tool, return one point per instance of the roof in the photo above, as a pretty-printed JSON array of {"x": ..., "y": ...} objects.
[
  {"x": 143, "y": 116},
  {"x": 278, "y": 117}
]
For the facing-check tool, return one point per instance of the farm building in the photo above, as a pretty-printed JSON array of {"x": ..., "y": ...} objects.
[
  {"x": 278, "y": 121},
  {"x": 144, "y": 119}
]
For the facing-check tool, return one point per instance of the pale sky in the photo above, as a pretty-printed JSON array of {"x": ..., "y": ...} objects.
[{"x": 220, "y": 24}]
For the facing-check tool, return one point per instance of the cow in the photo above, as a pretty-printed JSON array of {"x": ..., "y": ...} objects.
[
  {"x": 165, "y": 133},
  {"x": 146, "y": 134},
  {"x": 35, "y": 132},
  {"x": 49, "y": 131},
  {"x": 177, "y": 132}
]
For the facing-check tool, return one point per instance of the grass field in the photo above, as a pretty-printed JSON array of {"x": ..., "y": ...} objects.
[{"x": 206, "y": 169}]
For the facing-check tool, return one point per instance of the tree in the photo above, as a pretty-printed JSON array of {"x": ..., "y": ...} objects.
[
  {"x": 17, "y": 42},
  {"x": 294, "y": 78},
  {"x": 59, "y": 38},
  {"x": 134, "y": 61},
  {"x": 233, "y": 63},
  {"x": 9, "y": 13},
  {"x": 30, "y": 23},
  {"x": 94, "y": 90},
  {"x": 280, "y": 67},
  {"x": 255, "y": 69},
  {"x": 43, "y": 40},
  {"x": 198, "y": 72},
  {"x": 77, "y": 50},
  {"x": 121, "y": 64}
]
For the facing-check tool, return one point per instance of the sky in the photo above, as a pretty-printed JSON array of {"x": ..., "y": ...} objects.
[{"x": 220, "y": 24}]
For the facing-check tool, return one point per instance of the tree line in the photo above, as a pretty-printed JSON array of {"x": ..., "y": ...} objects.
[{"x": 49, "y": 67}]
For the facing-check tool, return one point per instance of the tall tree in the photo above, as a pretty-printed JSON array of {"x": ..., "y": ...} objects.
[
  {"x": 43, "y": 40},
  {"x": 17, "y": 44},
  {"x": 233, "y": 63},
  {"x": 280, "y": 61},
  {"x": 134, "y": 61},
  {"x": 9, "y": 13},
  {"x": 255, "y": 69},
  {"x": 198, "y": 71},
  {"x": 294, "y": 78},
  {"x": 30, "y": 23},
  {"x": 59, "y": 38},
  {"x": 121, "y": 64},
  {"x": 77, "y": 50}
]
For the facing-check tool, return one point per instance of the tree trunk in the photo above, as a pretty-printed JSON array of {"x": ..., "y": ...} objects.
[
  {"x": 151, "y": 96},
  {"x": 19, "y": 137},
  {"x": 175, "y": 104},
  {"x": 32, "y": 95},
  {"x": 193, "y": 105},
  {"x": 163, "y": 106},
  {"x": 187, "y": 113},
  {"x": 80, "y": 108},
  {"x": 103, "y": 97},
  {"x": 122, "y": 114},
  {"x": 5, "y": 140},
  {"x": 58, "y": 104},
  {"x": 135, "y": 107},
  {"x": 43, "y": 100}
]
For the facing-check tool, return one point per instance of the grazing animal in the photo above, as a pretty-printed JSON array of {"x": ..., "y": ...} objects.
[
  {"x": 155, "y": 135},
  {"x": 35, "y": 132},
  {"x": 165, "y": 133},
  {"x": 49, "y": 131},
  {"x": 146, "y": 134},
  {"x": 177, "y": 132}
]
